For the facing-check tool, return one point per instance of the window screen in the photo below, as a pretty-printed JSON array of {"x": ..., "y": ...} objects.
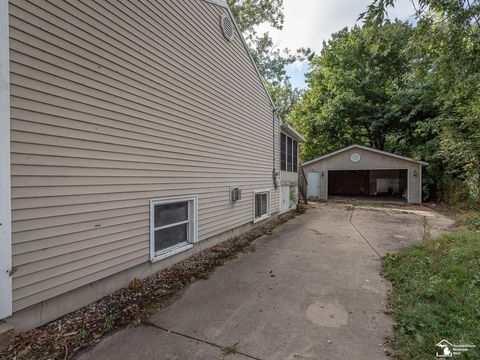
[
  {"x": 295, "y": 156},
  {"x": 289, "y": 154},
  {"x": 261, "y": 204},
  {"x": 172, "y": 222}
]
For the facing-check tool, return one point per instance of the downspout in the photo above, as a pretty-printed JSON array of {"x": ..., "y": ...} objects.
[{"x": 274, "y": 171}]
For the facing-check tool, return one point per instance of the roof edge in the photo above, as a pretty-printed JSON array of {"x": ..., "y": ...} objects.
[
  {"x": 292, "y": 132},
  {"x": 218, "y": 2},
  {"x": 364, "y": 148}
]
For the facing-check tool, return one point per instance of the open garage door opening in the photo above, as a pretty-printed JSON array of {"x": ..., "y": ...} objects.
[{"x": 385, "y": 185}]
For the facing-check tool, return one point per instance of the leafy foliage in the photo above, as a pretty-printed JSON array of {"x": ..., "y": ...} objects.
[
  {"x": 409, "y": 89},
  {"x": 250, "y": 13},
  {"x": 271, "y": 60},
  {"x": 355, "y": 90}
]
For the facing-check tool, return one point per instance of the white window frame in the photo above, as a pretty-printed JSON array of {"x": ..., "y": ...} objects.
[
  {"x": 269, "y": 207},
  {"x": 192, "y": 231}
]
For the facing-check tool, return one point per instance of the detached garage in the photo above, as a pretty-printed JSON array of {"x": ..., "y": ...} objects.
[{"x": 362, "y": 172}]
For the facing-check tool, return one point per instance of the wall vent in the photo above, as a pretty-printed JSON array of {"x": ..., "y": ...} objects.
[
  {"x": 235, "y": 194},
  {"x": 227, "y": 27}
]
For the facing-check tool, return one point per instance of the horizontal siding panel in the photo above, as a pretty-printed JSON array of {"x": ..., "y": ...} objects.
[
  {"x": 59, "y": 181},
  {"x": 182, "y": 36},
  {"x": 72, "y": 280},
  {"x": 36, "y": 170},
  {"x": 132, "y": 162},
  {"x": 169, "y": 140},
  {"x": 94, "y": 105},
  {"x": 46, "y": 191},
  {"x": 75, "y": 38},
  {"x": 109, "y": 98},
  {"x": 77, "y": 232},
  {"x": 21, "y": 228},
  {"x": 44, "y": 211},
  {"x": 66, "y": 260},
  {"x": 174, "y": 144},
  {"x": 56, "y": 275},
  {"x": 123, "y": 55},
  {"x": 24, "y": 43},
  {"x": 115, "y": 103},
  {"x": 21, "y": 138},
  {"x": 44, "y": 293}
]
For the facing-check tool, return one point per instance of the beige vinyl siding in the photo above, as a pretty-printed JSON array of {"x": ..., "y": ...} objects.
[
  {"x": 115, "y": 103},
  {"x": 369, "y": 161}
]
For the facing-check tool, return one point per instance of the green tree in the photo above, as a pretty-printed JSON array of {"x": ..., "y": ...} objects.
[
  {"x": 354, "y": 87},
  {"x": 250, "y": 13},
  {"x": 269, "y": 58},
  {"x": 409, "y": 89},
  {"x": 446, "y": 48}
]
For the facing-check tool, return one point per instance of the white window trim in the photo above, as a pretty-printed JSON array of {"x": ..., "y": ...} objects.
[
  {"x": 165, "y": 253},
  {"x": 5, "y": 185},
  {"x": 269, "y": 205}
]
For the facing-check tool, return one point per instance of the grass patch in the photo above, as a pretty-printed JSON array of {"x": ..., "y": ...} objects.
[
  {"x": 228, "y": 350},
  {"x": 82, "y": 334},
  {"x": 436, "y": 295},
  {"x": 471, "y": 221}
]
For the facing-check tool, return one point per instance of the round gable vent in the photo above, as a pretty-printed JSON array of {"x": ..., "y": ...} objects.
[
  {"x": 227, "y": 27},
  {"x": 355, "y": 157}
]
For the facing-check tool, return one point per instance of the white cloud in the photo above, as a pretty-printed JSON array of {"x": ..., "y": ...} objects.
[{"x": 309, "y": 22}]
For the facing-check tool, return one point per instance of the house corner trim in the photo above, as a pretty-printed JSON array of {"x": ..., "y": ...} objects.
[{"x": 5, "y": 185}]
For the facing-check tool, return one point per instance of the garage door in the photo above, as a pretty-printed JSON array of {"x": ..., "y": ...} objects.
[{"x": 388, "y": 184}]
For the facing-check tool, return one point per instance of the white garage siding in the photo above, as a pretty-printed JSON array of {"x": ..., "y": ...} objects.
[
  {"x": 114, "y": 103},
  {"x": 370, "y": 160}
]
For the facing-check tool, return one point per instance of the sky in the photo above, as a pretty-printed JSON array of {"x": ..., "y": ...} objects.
[{"x": 309, "y": 22}]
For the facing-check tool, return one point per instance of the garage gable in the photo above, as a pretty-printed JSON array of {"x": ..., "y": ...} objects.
[{"x": 344, "y": 156}]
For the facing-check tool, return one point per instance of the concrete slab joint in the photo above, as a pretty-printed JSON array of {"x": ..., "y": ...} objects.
[{"x": 312, "y": 289}]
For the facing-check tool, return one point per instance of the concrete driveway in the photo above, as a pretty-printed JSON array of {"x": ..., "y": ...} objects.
[{"x": 311, "y": 290}]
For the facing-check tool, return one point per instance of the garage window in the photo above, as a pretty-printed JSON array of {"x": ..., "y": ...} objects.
[
  {"x": 288, "y": 153},
  {"x": 173, "y": 226},
  {"x": 261, "y": 206}
]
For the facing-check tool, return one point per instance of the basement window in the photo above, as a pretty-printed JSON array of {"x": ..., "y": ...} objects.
[
  {"x": 173, "y": 226},
  {"x": 261, "y": 208}
]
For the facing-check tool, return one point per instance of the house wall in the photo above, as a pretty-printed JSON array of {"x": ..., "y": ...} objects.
[
  {"x": 114, "y": 103},
  {"x": 49, "y": 310},
  {"x": 289, "y": 178},
  {"x": 369, "y": 161}
]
